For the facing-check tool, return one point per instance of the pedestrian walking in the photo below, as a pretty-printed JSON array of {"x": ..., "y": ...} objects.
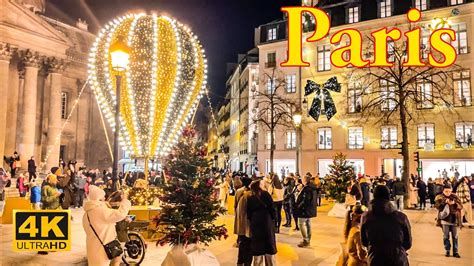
[
  {"x": 449, "y": 218},
  {"x": 15, "y": 164},
  {"x": 261, "y": 213},
  {"x": 296, "y": 192},
  {"x": 4, "y": 180},
  {"x": 464, "y": 195},
  {"x": 79, "y": 185},
  {"x": 421, "y": 186},
  {"x": 399, "y": 192},
  {"x": 385, "y": 232},
  {"x": 22, "y": 185},
  {"x": 50, "y": 194},
  {"x": 99, "y": 225},
  {"x": 241, "y": 223},
  {"x": 31, "y": 168},
  {"x": 354, "y": 253},
  {"x": 319, "y": 189},
  {"x": 365, "y": 188},
  {"x": 223, "y": 191},
  {"x": 35, "y": 194},
  {"x": 276, "y": 191},
  {"x": 431, "y": 192},
  {"x": 306, "y": 209},
  {"x": 288, "y": 199},
  {"x": 413, "y": 197}
]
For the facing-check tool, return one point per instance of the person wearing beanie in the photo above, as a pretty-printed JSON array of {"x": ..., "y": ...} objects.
[
  {"x": 242, "y": 223},
  {"x": 449, "y": 218},
  {"x": 103, "y": 219},
  {"x": 385, "y": 232}
]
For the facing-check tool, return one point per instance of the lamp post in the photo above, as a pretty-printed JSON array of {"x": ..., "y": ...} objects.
[
  {"x": 297, "y": 121},
  {"x": 119, "y": 55}
]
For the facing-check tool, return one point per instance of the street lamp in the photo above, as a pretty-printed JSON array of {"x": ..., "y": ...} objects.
[
  {"x": 119, "y": 57},
  {"x": 297, "y": 121}
]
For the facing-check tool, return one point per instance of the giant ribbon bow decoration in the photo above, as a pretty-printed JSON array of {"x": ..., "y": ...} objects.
[{"x": 322, "y": 93}]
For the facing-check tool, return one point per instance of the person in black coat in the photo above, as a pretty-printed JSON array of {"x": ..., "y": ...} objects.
[
  {"x": 32, "y": 168},
  {"x": 385, "y": 232},
  {"x": 288, "y": 198},
  {"x": 421, "y": 185},
  {"x": 261, "y": 213},
  {"x": 431, "y": 192},
  {"x": 306, "y": 209}
]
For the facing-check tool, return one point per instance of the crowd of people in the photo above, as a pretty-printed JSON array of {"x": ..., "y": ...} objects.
[{"x": 376, "y": 230}]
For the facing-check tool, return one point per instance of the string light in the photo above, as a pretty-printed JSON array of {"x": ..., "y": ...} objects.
[
  {"x": 165, "y": 79},
  {"x": 58, "y": 137}
]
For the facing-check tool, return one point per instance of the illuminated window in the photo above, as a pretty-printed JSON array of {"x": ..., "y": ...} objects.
[
  {"x": 462, "y": 88},
  {"x": 421, "y": 4},
  {"x": 460, "y": 44},
  {"x": 426, "y": 134},
  {"x": 391, "y": 51},
  {"x": 456, "y": 2},
  {"x": 387, "y": 93},
  {"x": 272, "y": 34},
  {"x": 291, "y": 139},
  {"x": 324, "y": 56},
  {"x": 291, "y": 83},
  {"x": 354, "y": 98},
  {"x": 425, "y": 96},
  {"x": 324, "y": 138},
  {"x": 353, "y": 14},
  {"x": 270, "y": 85},
  {"x": 268, "y": 140},
  {"x": 64, "y": 105},
  {"x": 356, "y": 138},
  {"x": 385, "y": 8},
  {"x": 389, "y": 137},
  {"x": 464, "y": 133}
]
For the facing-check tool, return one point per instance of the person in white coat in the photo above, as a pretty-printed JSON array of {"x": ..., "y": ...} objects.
[{"x": 103, "y": 219}]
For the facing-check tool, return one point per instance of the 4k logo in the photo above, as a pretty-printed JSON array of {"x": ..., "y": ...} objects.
[{"x": 47, "y": 230}]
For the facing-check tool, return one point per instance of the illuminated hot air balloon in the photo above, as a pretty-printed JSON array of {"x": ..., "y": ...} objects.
[{"x": 165, "y": 77}]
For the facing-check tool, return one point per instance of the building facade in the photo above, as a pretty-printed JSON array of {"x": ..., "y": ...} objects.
[
  {"x": 443, "y": 139},
  {"x": 236, "y": 130},
  {"x": 43, "y": 69}
]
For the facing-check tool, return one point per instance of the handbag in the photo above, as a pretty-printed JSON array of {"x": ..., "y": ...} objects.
[
  {"x": 350, "y": 200},
  {"x": 113, "y": 249},
  {"x": 444, "y": 213}
]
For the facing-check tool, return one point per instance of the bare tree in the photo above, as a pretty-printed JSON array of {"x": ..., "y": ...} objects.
[
  {"x": 273, "y": 109},
  {"x": 391, "y": 95}
]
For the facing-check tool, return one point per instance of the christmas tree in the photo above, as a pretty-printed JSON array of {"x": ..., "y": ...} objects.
[
  {"x": 340, "y": 175},
  {"x": 189, "y": 207}
]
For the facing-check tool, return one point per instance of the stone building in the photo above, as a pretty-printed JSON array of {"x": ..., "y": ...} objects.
[
  {"x": 443, "y": 139},
  {"x": 43, "y": 68}
]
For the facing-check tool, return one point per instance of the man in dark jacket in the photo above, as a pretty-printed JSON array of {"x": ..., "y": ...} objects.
[
  {"x": 385, "y": 231},
  {"x": 32, "y": 168},
  {"x": 399, "y": 192},
  {"x": 421, "y": 185},
  {"x": 449, "y": 218},
  {"x": 306, "y": 209}
]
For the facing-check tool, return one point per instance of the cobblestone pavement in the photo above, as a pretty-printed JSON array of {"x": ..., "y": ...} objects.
[{"x": 324, "y": 250}]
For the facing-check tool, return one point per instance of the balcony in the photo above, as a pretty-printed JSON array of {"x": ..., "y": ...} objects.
[{"x": 270, "y": 64}]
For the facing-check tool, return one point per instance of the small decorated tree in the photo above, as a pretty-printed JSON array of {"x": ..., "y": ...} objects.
[
  {"x": 189, "y": 208},
  {"x": 340, "y": 175}
]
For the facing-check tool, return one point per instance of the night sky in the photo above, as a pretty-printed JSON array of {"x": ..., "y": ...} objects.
[{"x": 224, "y": 27}]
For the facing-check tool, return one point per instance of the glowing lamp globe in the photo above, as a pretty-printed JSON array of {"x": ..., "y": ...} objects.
[
  {"x": 119, "y": 55},
  {"x": 164, "y": 70}
]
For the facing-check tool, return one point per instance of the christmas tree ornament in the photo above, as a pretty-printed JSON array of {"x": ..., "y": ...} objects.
[{"x": 322, "y": 97}]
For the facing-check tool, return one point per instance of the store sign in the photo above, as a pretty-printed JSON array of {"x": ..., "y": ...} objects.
[
  {"x": 351, "y": 54},
  {"x": 44, "y": 230}
]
